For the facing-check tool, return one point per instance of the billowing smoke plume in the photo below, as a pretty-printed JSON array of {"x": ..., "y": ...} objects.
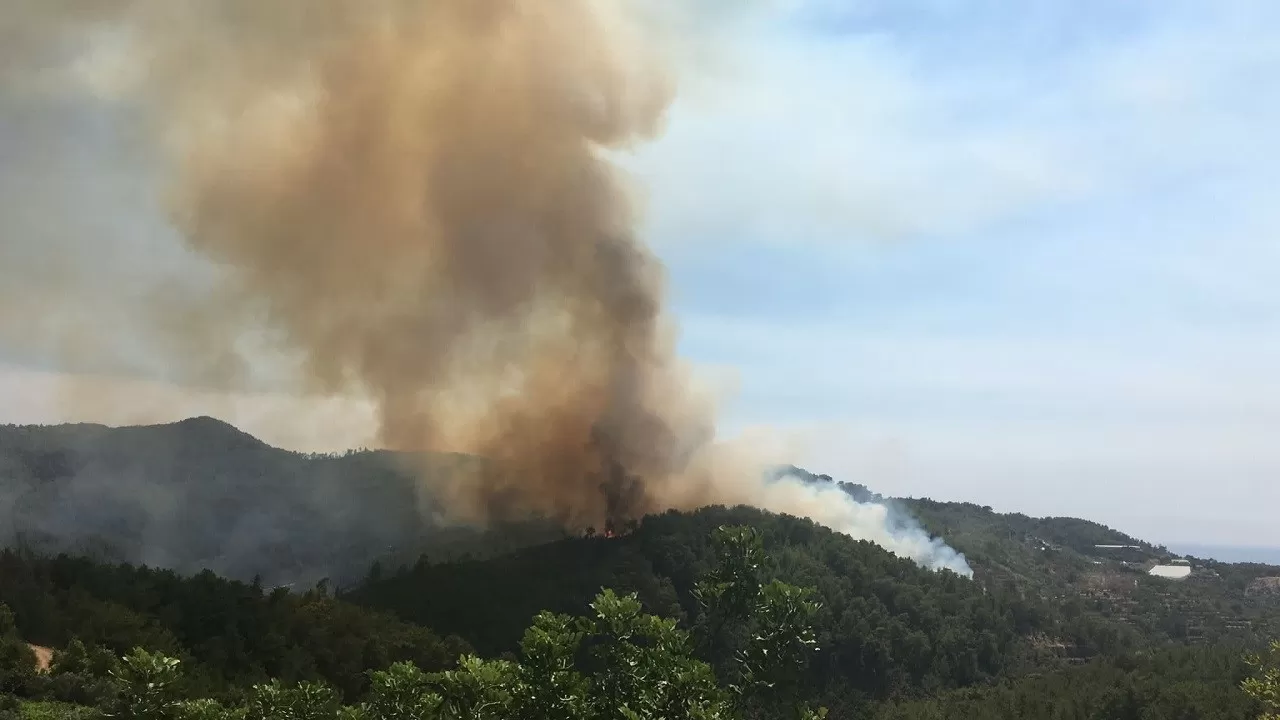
[
  {"x": 398, "y": 200},
  {"x": 871, "y": 518}
]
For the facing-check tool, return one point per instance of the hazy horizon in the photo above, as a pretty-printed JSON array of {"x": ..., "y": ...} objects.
[
  {"x": 1267, "y": 555},
  {"x": 1224, "y": 553}
]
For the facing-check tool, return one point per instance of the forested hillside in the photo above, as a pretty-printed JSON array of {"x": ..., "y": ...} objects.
[
  {"x": 886, "y": 624},
  {"x": 230, "y": 633},
  {"x": 1061, "y": 618},
  {"x": 872, "y": 617},
  {"x": 1201, "y": 683},
  {"x": 1074, "y": 563},
  {"x": 887, "y": 628},
  {"x": 200, "y": 494},
  {"x": 887, "y": 640}
]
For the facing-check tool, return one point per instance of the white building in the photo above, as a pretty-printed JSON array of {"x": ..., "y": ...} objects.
[{"x": 1173, "y": 572}]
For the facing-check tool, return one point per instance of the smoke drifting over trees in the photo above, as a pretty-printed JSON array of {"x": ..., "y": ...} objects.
[{"x": 405, "y": 202}]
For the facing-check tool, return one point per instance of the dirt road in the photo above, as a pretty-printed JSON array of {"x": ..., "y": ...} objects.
[{"x": 44, "y": 656}]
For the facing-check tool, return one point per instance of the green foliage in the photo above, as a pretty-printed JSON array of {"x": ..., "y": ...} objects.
[
  {"x": 775, "y": 622},
  {"x": 1264, "y": 685},
  {"x": 869, "y": 633},
  {"x": 643, "y": 667},
  {"x": 883, "y": 625},
  {"x": 228, "y": 633},
  {"x": 618, "y": 662},
  {"x": 884, "y": 628},
  {"x": 79, "y": 659},
  {"x": 207, "y": 709},
  {"x": 553, "y": 686},
  {"x": 17, "y": 659},
  {"x": 1176, "y": 683},
  {"x": 479, "y": 689},
  {"x": 615, "y": 663},
  {"x": 782, "y": 640},
  {"x": 304, "y": 701},
  {"x": 54, "y": 711},
  {"x": 148, "y": 686},
  {"x": 730, "y": 589},
  {"x": 1102, "y": 601},
  {"x": 74, "y": 688},
  {"x": 401, "y": 691},
  {"x": 80, "y": 675}
]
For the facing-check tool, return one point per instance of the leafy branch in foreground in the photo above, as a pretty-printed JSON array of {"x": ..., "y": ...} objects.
[
  {"x": 616, "y": 663},
  {"x": 767, "y": 629},
  {"x": 1264, "y": 686}
]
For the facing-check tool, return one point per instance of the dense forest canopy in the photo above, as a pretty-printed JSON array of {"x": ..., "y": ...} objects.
[{"x": 1060, "y": 619}]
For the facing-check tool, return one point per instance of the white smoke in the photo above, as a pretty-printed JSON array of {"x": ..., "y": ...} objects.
[{"x": 881, "y": 523}]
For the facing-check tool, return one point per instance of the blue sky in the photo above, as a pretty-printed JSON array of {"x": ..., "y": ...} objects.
[{"x": 1019, "y": 253}]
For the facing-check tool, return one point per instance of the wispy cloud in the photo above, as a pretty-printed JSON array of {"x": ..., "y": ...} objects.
[{"x": 1023, "y": 250}]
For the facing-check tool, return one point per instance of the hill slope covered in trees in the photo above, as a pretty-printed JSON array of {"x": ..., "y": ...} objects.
[
  {"x": 891, "y": 640},
  {"x": 200, "y": 494},
  {"x": 1053, "y": 612}
]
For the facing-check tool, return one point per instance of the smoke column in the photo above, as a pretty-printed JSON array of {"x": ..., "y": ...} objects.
[
  {"x": 882, "y": 523},
  {"x": 407, "y": 202}
]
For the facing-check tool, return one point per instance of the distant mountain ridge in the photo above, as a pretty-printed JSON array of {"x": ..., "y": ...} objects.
[{"x": 200, "y": 493}]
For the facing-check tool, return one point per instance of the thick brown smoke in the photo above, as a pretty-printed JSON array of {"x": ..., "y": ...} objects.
[{"x": 409, "y": 201}]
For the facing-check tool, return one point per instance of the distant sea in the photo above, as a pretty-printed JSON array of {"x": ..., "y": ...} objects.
[{"x": 1229, "y": 553}]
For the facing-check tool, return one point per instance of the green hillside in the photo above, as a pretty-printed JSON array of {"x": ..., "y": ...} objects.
[
  {"x": 231, "y": 633},
  {"x": 200, "y": 494},
  {"x": 1061, "y": 618},
  {"x": 1060, "y": 559}
]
